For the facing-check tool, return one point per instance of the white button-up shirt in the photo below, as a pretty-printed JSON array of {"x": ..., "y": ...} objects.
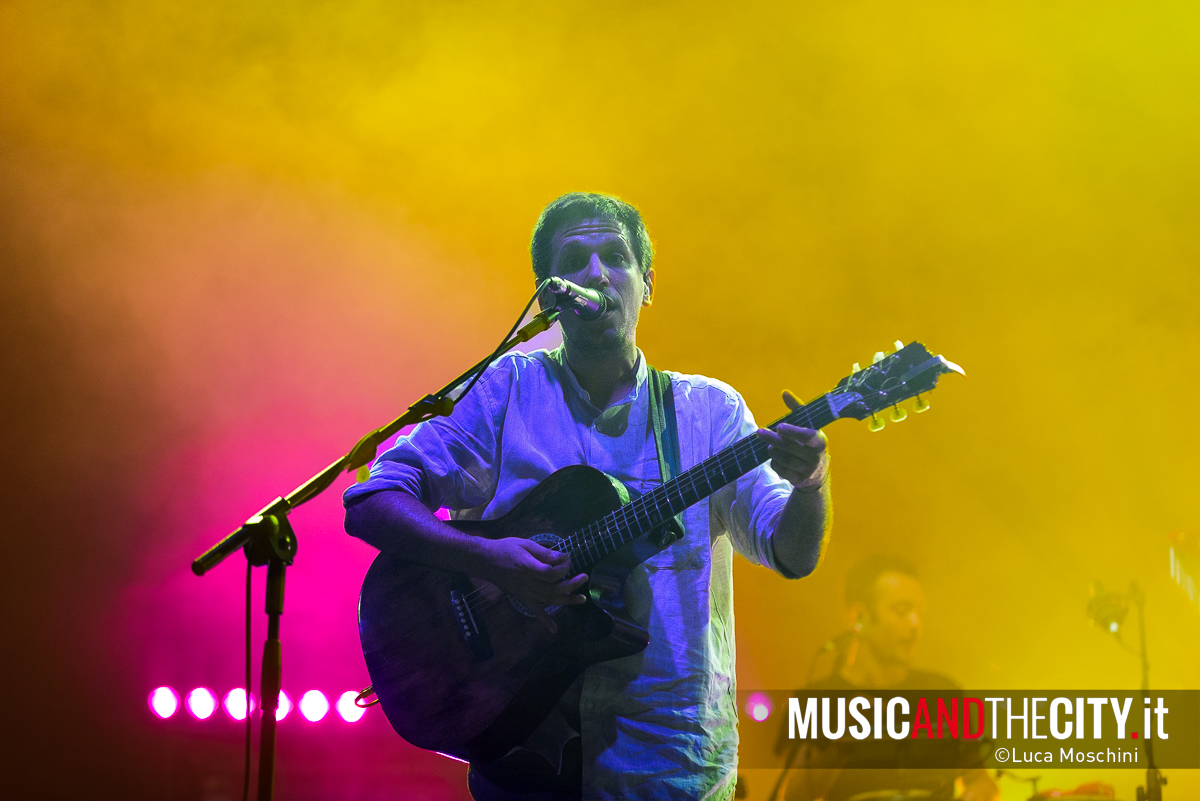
[{"x": 663, "y": 723}]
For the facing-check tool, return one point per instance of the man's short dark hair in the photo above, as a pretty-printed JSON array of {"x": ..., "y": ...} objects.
[
  {"x": 577, "y": 207},
  {"x": 860, "y": 581}
]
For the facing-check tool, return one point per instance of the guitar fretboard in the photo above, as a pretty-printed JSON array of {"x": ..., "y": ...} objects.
[{"x": 647, "y": 512}]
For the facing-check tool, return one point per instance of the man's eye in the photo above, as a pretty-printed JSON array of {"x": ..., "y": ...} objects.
[{"x": 616, "y": 257}]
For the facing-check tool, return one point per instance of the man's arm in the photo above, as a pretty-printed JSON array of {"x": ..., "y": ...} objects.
[
  {"x": 798, "y": 455},
  {"x": 398, "y": 524},
  {"x": 803, "y": 530}
]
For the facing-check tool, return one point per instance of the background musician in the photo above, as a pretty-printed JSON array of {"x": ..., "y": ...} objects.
[{"x": 885, "y": 609}]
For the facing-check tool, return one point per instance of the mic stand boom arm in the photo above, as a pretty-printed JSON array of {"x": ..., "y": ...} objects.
[{"x": 268, "y": 539}]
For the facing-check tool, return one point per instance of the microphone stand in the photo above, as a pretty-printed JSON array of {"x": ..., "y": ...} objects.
[
  {"x": 1154, "y": 778},
  {"x": 840, "y": 645},
  {"x": 267, "y": 538}
]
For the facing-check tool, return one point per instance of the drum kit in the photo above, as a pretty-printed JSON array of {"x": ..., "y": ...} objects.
[{"x": 1091, "y": 791}]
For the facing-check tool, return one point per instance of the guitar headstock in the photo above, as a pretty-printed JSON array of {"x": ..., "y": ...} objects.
[{"x": 907, "y": 373}]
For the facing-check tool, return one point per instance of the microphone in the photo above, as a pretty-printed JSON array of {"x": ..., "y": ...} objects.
[{"x": 587, "y": 303}]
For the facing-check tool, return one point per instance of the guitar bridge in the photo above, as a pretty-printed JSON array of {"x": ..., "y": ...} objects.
[{"x": 473, "y": 633}]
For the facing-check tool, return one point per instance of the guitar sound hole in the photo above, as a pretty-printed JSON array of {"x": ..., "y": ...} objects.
[{"x": 554, "y": 543}]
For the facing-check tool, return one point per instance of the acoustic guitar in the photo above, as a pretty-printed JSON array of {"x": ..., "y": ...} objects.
[{"x": 461, "y": 668}]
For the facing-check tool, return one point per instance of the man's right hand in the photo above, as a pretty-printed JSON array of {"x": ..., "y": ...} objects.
[{"x": 536, "y": 576}]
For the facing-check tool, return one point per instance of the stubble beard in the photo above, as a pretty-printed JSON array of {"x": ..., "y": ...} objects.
[{"x": 603, "y": 345}]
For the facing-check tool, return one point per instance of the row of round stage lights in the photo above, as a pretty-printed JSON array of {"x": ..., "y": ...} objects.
[{"x": 202, "y": 704}]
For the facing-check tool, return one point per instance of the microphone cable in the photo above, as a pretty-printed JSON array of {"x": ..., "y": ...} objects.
[{"x": 500, "y": 348}]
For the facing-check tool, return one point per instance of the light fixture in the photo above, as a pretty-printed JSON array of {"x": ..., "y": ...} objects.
[
  {"x": 235, "y": 703},
  {"x": 759, "y": 706},
  {"x": 201, "y": 703},
  {"x": 164, "y": 702},
  {"x": 314, "y": 705},
  {"x": 350, "y": 711},
  {"x": 285, "y": 706}
]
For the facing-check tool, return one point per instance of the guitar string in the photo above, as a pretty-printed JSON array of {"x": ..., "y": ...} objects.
[
  {"x": 649, "y": 505},
  {"x": 595, "y": 533},
  {"x": 625, "y": 516},
  {"x": 598, "y": 534},
  {"x": 716, "y": 466}
]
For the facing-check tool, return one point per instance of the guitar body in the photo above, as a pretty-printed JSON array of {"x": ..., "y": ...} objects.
[{"x": 473, "y": 679}]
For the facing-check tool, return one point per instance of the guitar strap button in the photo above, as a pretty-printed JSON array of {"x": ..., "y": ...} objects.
[{"x": 669, "y": 533}]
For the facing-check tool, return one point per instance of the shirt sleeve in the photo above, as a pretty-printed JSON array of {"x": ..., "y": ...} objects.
[
  {"x": 748, "y": 509},
  {"x": 448, "y": 461}
]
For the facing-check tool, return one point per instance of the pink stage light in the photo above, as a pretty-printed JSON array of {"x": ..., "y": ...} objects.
[
  {"x": 350, "y": 712},
  {"x": 235, "y": 703},
  {"x": 164, "y": 702},
  {"x": 314, "y": 705},
  {"x": 285, "y": 706},
  {"x": 201, "y": 703},
  {"x": 759, "y": 706}
]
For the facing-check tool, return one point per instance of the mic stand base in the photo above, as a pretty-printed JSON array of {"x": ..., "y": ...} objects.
[
  {"x": 272, "y": 543},
  {"x": 271, "y": 680}
]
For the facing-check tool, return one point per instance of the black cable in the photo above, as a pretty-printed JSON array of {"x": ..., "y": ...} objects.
[
  {"x": 249, "y": 718},
  {"x": 500, "y": 348}
]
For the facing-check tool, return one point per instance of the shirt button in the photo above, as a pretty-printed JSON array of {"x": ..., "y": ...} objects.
[{"x": 589, "y": 705}]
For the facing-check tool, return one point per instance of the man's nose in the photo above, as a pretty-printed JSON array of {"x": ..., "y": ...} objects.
[{"x": 597, "y": 272}]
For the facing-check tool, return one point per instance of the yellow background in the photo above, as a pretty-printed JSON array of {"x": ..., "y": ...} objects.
[{"x": 223, "y": 221}]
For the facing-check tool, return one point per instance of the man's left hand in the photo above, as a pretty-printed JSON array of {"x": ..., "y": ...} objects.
[{"x": 797, "y": 454}]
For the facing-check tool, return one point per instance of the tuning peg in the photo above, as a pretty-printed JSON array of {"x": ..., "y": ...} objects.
[
  {"x": 878, "y": 358},
  {"x": 899, "y": 345},
  {"x": 898, "y": 414},
  {"x": 855, "y": 368},
  {"x": 875, "y": 424},
  {"x": 920, "y": 405}
]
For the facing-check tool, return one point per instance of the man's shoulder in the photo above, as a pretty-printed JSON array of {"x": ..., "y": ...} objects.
[
  {"x": 534, "y": 371},
  {"x": 516, "y": 363},
  {"x": 699, "y": 387},
  {"x": 520, "y": 360}
]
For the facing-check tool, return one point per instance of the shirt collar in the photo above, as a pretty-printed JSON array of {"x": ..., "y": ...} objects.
[{"x": 560, "y": 358}]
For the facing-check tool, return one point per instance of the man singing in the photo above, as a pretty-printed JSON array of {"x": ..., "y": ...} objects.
[{"x": 661, "y": 723}]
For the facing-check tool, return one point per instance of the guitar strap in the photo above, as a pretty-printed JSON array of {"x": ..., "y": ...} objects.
[{"x": 666, "y": 439}]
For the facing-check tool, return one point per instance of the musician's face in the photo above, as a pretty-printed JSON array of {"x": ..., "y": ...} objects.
[
  {"x": 897, "y": 619},
  {"x": 598, "y": 254}
]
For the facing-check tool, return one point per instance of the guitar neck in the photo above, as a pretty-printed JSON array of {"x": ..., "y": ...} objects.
[{"x": 647, "y": 512}]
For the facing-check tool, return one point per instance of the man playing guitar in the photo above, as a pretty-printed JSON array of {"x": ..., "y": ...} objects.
[{"x": 661, "y": 723}]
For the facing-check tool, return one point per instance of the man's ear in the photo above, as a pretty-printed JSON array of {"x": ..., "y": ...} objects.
[{"x": 648, "y": 280}]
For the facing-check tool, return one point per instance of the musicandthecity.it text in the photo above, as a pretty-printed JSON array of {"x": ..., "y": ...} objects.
[{"x": 954, "y": 729}]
